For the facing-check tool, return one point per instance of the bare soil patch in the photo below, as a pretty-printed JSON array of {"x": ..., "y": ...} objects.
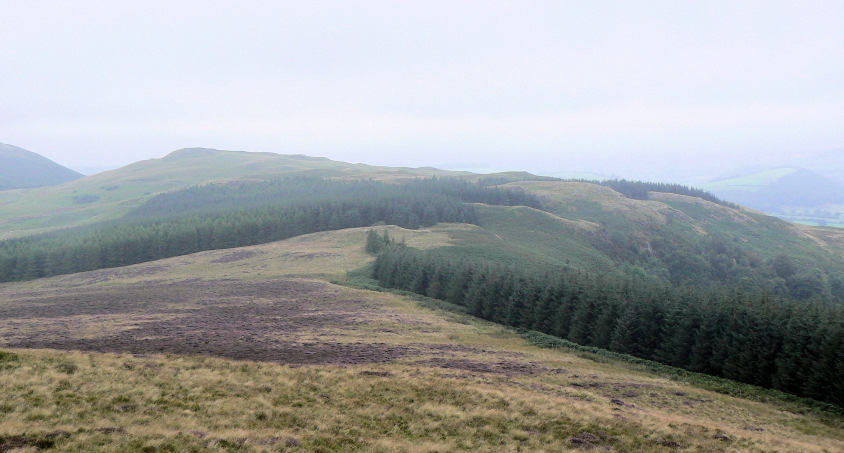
[
  {"x": 505, "y": 367},
  {"x": 237, "y": 256}
]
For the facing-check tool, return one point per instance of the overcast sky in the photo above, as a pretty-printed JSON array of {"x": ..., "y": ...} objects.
[{"x": 627, "y": 88}]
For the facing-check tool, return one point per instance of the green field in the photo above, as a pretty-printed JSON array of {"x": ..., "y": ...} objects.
[{"x": 750, "y": 182}]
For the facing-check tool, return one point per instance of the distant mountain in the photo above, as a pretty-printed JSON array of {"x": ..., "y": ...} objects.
[
  {"x": 22, "y": 169},
  {"x": 829, "y": 164},
  {"x": 785, "y": 192}
]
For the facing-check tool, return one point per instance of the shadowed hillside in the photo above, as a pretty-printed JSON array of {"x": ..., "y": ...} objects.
[{"x": 20, "y": 169}]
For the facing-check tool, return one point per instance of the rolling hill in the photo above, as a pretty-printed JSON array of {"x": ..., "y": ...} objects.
[
  {"x": 20, "y": 169},
  {"x": 111, "y": 194},
  {"x": 794, "y": 194},
  {"x": 681, "y": 239},
  {"x": 209, "y": 332},
  {"x": 828, "y": 163},
  {"x": 252, "y": 349},
  {"x": 666, "y": 237}
]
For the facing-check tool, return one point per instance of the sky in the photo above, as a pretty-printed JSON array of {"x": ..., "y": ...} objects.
[{"x": 623, "y": 88}]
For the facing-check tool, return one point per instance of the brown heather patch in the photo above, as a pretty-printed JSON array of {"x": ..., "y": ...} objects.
[
  {"x": 321, "y": 378},
  {"x": 183, "y": 359}
]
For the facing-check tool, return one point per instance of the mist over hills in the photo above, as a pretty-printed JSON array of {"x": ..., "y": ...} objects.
[
  {"x": 22, "y": 169},
  {"x": 786, "y": 187},
  {"x": 794, "y": 194},
  {"x": 829, "y": 164}
]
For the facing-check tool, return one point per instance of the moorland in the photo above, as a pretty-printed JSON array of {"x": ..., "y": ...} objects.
[{"x": 230, "y": 301}]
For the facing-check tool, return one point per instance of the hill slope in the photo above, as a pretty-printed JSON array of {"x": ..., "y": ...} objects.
[
  {"x": 109, "y": 195},
  {"x": 328, "y": 367},
  {"x": 794, "y": 194},
  {"x": 686, "y": 240},
  {"x": 677, "y": 239},
  {"x": 20, "y": 169},
  {"x": 331, "y": 368}
]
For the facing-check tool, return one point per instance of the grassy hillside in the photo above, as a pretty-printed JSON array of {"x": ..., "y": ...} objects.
[
  {"x": 677, "y": 239},
  {"x": 686, "y": 240},
  {"x": 111, "y": 194},
  {"x": 529, "y": 237},
  {"x": 23, "y": 169},
  {"x": 255, "y": 349},
  {"x": 289, "y": 362}
]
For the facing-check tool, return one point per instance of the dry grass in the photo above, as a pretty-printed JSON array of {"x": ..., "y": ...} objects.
[
  {"x": 567, "y": 193},
  {"x": 484, "y": 390},
  {"x": 326, "y": 255},
  {"x": 460, "y": 384},
  {"x": 106, "y": 402}
]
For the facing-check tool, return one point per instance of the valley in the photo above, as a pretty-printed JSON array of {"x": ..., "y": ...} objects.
[
  {"x": 229, "y": 301},
  {"x": 421, "y": 227}
]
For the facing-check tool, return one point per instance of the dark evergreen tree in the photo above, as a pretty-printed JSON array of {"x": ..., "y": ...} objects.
[{"x": 755, "y": 338}]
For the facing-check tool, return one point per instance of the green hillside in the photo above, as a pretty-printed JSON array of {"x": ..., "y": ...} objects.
[
  {"x": 20, "y": 169},
  {"x": 185, "y": 261},
  {"x": 666, "y": 237},
  {"x": 686, "y": 240},
  {"x": 111, "y": 194}
]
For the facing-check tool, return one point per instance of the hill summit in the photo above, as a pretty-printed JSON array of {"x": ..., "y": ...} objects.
[{"x": 22, "y": 169}]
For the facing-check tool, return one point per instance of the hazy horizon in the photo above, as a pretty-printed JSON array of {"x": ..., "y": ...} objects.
[{"x": 649, "y": 90}]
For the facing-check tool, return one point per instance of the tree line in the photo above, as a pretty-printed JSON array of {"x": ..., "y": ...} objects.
[
  {"x": 639, "y": 190},
  {"x": 746, "y": 336},
  {"x": 239, "y": 214}
]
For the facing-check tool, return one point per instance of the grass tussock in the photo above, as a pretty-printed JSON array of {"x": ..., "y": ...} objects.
[
  {"x": 460, "y": 384},
  {"x": 74, "y": 401}
]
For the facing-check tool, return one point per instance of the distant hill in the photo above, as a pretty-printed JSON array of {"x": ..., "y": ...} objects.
[
  {"x": 795, "y": 194},
  {"x": 827, "y": 163},
  {"x": 110, "y": 194},
  {"x": 22, "y": 169},
  {"x": 783, "y": 187}
]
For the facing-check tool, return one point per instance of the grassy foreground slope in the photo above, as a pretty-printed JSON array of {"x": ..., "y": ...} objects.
[
  {"x": 362, "y": 370},
  {"x": 111, "y": 194}
]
